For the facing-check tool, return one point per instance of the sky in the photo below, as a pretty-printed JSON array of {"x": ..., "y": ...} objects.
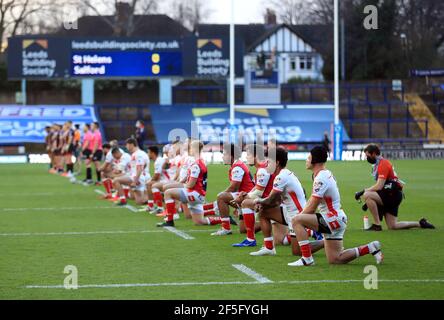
[{"x": 246, "y": 11}]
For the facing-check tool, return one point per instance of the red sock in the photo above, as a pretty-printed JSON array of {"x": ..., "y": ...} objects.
[
  {"x": 268, "y": 243},
  {"x": 123, "y": 200},
  {"x": 249, "y": 221},
  {"x": 151, "y": 204},
  {"x": 208, "y": 206},
  {"x": 363, "y": 250},
  {"x": 157, "y": 197},
  {"x": 209, "y": 213},
  {"x": 309, "y": 232},
  {"x": 108, "y": 185},
  {"x": 171, "y": 209},
  {"x": 305, "y": 248},
  {"x": 226, "y": 223},
  {"x": 214, "y": 220},
  {"x": 126, "y": 192},
  {"x": 287, "y": 239}
]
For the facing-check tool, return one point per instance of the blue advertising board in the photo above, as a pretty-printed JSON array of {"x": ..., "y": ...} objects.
[
  {"x": 125, "y": 64},
  {"x": 26, "y": 124},
  {"x": 287, "y": 125}
]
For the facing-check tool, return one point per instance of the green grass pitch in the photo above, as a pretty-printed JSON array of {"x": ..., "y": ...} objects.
[{"x": 45, "y": 220}]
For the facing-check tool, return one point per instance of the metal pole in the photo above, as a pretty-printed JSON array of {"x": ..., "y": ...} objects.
[
  {"x": 24, "y": 92},
  {"x": 232, "y": 67},
  {"x": 336, "y": 58},
  {"x": 343, "y": 49}
]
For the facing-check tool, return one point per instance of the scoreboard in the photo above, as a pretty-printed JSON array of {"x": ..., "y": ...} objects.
[{"x": 125, "y": 64}]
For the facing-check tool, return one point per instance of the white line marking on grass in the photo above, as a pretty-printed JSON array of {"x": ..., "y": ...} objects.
[
  {"x": 76, "y": 233},
  {"x": 251, "y": 273},
  {"x": 138, "y": 285},
  {"x": 55, "y": 209},
  {"x": 354, "y": 281},
  {"x": 80, "y": 233},
  {"x": 131, "y": 208},
  {"x": 100, "y": 192},
  {"x": 179, "y": 233},
  {"x": 183, "y": 284},
  {"x": 6, "y": 195}
]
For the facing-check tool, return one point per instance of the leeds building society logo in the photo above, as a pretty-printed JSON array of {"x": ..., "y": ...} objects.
[
  {"x": 210, "y": 58},
  {"x": 35, "y": 58}
]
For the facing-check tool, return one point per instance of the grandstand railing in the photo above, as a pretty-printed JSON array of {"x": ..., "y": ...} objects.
[
  {"x": 389, "y": 123},
  {"x": 438, "y": 93},
  {"x": 373, "y": 105},
  {"x": 294, "y": 93}
]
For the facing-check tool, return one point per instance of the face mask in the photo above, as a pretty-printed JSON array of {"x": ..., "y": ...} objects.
[{"x": 371, "y": 160}]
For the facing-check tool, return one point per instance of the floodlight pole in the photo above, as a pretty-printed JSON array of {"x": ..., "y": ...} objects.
[
  {"x": 232, "y": 67},
  {"x": 336, "y": 54},
  {"x": 338, "y": 130}
]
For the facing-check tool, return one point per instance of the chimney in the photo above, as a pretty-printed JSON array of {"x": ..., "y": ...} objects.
[
  {"x": 123, "y": 12},
  {"x": 270, "y": 17}
]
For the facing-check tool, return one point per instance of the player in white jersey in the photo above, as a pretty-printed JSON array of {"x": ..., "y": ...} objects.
[
  {"x": 137, "y": 174},
  {"x": 286, "y": 200},
  {"x": 164, "y": 172},
  {"x": 331, "y": 221},
  {"x": 160, "y": 175},
  {"x": 108, "y": 168}
]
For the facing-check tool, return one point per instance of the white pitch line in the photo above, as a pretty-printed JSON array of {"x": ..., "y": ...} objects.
[
  {"x": 55, "y": 209},
  {"x": 252, "y": 274},
  {"x": 138, "y": 285},
  {"x": 183, "y": 284},
  {"x": 100, "y": 192},
  {"x": 80, "y": 233},
  {"x": 129, "y": 207},
  {"x": 76, "y": 233},
  {"x": 179, "y": 233}
]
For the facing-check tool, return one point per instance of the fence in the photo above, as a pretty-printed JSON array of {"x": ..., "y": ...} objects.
[
  {"x": 294, "y": 93},
  {"x": 386, "y": 125}
]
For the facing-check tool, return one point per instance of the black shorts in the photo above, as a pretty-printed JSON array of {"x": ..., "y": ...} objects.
[
  {"x": 98, "y": 155},
  {"x": 57, "y": 152},
  {"x": 87, "y": 153},
  {"x": 391, "y": 200},
  {"x": 323, "y": 227}
]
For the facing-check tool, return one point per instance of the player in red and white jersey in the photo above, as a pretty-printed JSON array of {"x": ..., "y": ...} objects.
[
  {"x": 240, "y": 181},
  {"x": 164, "y": 173},
  {"x": 331, "y": 221},
  {"x": 193, "y": 194},
  {"x": 245, "y": 201},
  {"x": 160, "y": 175},
  {"x": 285, "y": 201},
  {"x": 115, "y": 165},
  {"x": 137, "y": 177}
]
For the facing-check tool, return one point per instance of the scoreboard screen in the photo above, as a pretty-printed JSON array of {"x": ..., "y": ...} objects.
[{"x": 125, "y": 64}]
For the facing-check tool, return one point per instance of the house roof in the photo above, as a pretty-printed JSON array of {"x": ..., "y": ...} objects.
[
  {"x": 320, "y": 37},
  {"x": 154, "y": 25}
]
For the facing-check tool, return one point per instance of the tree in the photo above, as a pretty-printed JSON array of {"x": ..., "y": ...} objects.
[
  {"x": 133, "y": 11},
  {"x": 189, "y": 12},
  {"x": 14, "y": 15},
  {"x": 292, "y": 11}
]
